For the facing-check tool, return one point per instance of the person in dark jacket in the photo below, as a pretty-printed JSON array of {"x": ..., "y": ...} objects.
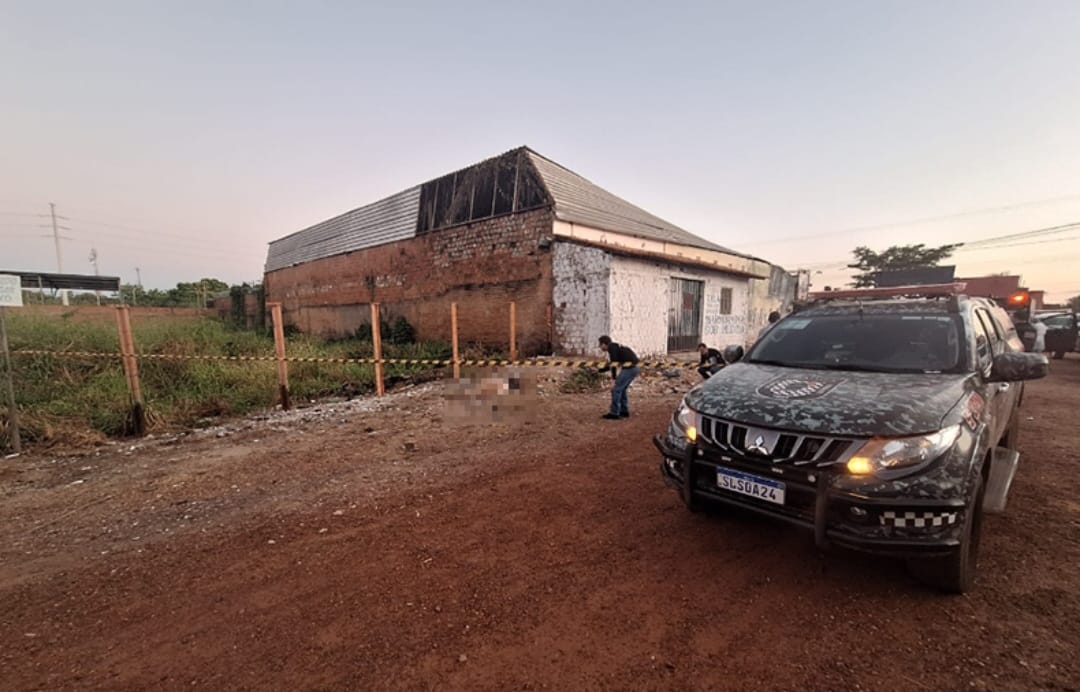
[
  {"x": 711, "y": 361},
  {"x": 623, "y": 364},
  {"x": 774, "y": 317}
]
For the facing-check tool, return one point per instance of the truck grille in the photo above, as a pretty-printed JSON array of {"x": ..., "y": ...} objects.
[{"x": 776, "y": 446}]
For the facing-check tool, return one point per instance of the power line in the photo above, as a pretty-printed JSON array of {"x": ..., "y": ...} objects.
[
  {"x": 1054, "y": 259},
  {"x": 142, "y": 231},
  {"x": 994, "y": 243},
  {"x": 917, "y": 222},
  {"x": 170, "y": 245},
  {"x": 135, "y": 229},
  {"x": 132, "y": 221},
  {"x": 1049, "y": 230},
  {"x": 125, "y": 243},
  {"x": 1031, "y": 242}
]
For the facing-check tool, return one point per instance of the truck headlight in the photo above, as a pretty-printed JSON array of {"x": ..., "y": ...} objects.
[
  {"x": 897, "y": 456},
  {"x": 686, "y": 420}
]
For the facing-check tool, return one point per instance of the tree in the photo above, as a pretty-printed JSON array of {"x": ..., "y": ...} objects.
[
  {"x": 185, "y": 294},
  {"x": 896, "y": 257}
]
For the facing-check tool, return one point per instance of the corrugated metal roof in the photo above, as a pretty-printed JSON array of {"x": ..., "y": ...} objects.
[
  {"x": 577, "y": 200},
  {"x": 385, "y": 221}
]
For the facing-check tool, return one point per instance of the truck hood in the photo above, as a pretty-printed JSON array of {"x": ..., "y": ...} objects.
[{"x": 857, "y": 404}]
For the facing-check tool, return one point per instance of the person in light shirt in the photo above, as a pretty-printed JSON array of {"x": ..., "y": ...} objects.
[{"x": 1040, "y": 335}]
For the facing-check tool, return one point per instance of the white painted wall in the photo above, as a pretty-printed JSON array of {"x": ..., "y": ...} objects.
[
  {"x": 627, "y": 298},
  {"x": 640, "y": 296},
  {"x": 721, "y": 260},
  {"x": 639, "y": 305},
  {"x": 580, "y": 297},
  {"x": 776, "y": 293}
]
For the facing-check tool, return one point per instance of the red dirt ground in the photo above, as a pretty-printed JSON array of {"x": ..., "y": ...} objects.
[{"x": 384, "y": 547}]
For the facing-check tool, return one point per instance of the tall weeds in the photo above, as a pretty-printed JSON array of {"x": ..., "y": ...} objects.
[{"x": 80, "y": 399}]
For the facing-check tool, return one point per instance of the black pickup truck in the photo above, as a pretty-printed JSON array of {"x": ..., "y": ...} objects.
[
  {"x": 882, "y": 423},
  {"x": 1062, "y": 332}
]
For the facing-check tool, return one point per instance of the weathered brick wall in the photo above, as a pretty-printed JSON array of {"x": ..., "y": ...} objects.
[{"x": 482, "y": 266}]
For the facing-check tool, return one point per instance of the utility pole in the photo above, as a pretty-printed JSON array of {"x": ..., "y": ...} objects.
[
  {"x": 56, "y": 239},
  {"x": 93, "y": 261},
  {"x": 138, "y": 282}
]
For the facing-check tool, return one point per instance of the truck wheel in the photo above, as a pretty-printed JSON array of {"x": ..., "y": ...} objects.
[{"x": 955, "y": 573}]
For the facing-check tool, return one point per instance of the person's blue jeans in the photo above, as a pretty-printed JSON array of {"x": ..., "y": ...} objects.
[{"x": 620, "y": 406}]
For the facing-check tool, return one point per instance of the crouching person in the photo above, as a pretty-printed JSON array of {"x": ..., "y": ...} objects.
[{"x": 623, "y": 363}]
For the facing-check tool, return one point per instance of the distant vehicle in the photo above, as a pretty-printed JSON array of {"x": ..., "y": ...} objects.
[
  {"x": 1062, "y": 332},
  {"x": 885, "y": 420}
]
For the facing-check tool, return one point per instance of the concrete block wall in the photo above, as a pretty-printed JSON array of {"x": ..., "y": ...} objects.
[
  {"x": 482, "y": 266},
  {"x": 580, "y": 297}
]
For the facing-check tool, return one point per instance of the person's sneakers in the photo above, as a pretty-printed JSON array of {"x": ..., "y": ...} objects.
[
  {"x": 610, "y": 416},
  {"x": 624, "y": 415}
]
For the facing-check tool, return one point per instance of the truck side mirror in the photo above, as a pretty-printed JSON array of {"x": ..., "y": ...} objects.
[
  {"x": 733, "y": 354},
  {"x": 1015, "y": 367}
]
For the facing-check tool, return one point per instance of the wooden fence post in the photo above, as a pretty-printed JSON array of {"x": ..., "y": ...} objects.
[
  {"x": 454, "y": 340},
  {"x": 376, "y": 339},
  {"x": 279, "y": 351},
  {"x": 513, "y": 330},
  {"x": 131, "y": 369},
  {"x": 13, "y": 413}
]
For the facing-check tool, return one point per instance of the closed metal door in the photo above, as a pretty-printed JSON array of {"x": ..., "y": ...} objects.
[{"x": 684, "y": 315}]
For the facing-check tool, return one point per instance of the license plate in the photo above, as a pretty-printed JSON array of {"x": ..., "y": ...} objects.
[{"x": 752, "y": 486}]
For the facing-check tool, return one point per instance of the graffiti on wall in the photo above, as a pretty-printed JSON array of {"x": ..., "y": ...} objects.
[{"x": 714, "y": 323}]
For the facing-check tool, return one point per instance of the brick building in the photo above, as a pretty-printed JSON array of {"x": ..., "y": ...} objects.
[
  {"x": 999, "y": 287},
  {"x": 577, "y": 260}
]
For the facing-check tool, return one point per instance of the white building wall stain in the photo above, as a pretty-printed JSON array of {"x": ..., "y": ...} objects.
[
  {"x": 641, "y": 296},
  {"x": 580, "y": 297}
]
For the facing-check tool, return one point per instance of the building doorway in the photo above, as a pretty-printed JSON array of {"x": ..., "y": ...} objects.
[{"x": 684, "y": 315}]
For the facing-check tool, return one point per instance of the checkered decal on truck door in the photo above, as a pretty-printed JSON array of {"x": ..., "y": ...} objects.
[{"x": 917, "y": 520}]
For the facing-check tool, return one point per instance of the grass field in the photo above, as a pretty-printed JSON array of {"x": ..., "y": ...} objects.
[{"x": 73, "y": 399}]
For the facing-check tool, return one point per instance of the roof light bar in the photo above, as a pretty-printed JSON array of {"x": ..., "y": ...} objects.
[{"x": 921, "y": 290}]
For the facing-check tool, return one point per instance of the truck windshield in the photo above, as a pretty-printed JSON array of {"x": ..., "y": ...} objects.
[{"x": 877, "y": 343}]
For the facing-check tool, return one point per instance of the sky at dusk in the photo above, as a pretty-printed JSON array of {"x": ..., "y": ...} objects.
[{"x": 181, "y": 138}]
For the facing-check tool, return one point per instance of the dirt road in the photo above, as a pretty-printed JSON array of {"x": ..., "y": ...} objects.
[{"x": 378, "y": 545}]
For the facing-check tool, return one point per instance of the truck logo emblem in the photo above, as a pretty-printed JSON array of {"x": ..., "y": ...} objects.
[
  {"x": 758, "y": 447},
  {"x": 789, "y": 387}
]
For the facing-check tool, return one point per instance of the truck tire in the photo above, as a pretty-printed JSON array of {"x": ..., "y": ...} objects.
[{"x": 955, "y": 573}]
